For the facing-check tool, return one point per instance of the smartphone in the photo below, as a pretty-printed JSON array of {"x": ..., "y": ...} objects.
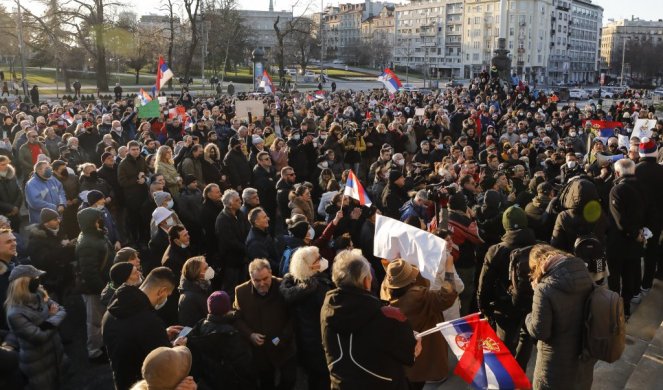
[{"x": 185, "y": 331}]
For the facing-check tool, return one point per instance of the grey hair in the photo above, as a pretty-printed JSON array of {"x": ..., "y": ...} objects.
[
  {"x": 228, "y": 196},
  {"x": 39, "y": 165},
  {"x": 302, "y": 259},
  {"x": 71, "y": 140},
  {"x": 350, "y": 269},
  {"x": 625, "y": 167},
  {"x": 258, "y": 265},
  {"x": 248, "y": 193}
]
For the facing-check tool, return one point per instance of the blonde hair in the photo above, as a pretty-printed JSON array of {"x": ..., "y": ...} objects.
[
  {"x": 302, "y": 259},
  {"x": 192, "y": 267},
  {"x": 161, "y": 153},
  {"x": 538, "y": 257},
  {"x": 18, "y": 293}
]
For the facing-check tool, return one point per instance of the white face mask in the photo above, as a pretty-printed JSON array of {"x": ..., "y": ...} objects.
[
  {"x": 571, "y": 164},
  {"x": 311, "y": 233},
  {"x": 184, "y": 246},
  {"x": 400, "y": 163},
  {"x": 54, "y": 231},
  {"x": 170, "y": 222},
  {"x": 160, "y": 305},
  {"x": 170, "y": 204},
  {"x": 296, "y": 137},
  {"x": 209, "y": 273},
  {"x": 572, "y": 134},
  {"x": 324, "y": 264}
]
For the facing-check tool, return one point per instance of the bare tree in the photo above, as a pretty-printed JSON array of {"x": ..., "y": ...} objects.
[
  {"x": 169, "y": 7},
  {"x": 284, "y": 32},
  {"x": 304, "y": 43},
  {"x": 192, "y": 8}
]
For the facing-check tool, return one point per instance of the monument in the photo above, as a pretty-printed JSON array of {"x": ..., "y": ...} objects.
[
  {"x": 501, "y": 62},
  {"x": 257, "y": 56}
]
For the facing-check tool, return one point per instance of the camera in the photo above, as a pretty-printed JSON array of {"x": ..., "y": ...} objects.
[{"x": 441, "y": 191}]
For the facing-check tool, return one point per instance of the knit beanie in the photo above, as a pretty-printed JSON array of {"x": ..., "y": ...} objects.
[
  {"x": 94, "y": 196},
  {"x": 188, "y": 179},
  {"x": 514, "y": 218},
  {"x": 458, "y": 202},
  {"x": 160, "y": 197},
  {"x": 164, "y": 368},
  {"x": 648, "y": 148},
  {"x": 120, "y": 272},
  {"x": 47, "y": 215},
  {"x": 394, "y": 175},
  {"x": 218, "y": 303},
  {"x": 299, "y": 229}
]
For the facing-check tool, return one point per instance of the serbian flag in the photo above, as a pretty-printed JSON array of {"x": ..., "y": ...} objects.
[
  {"x": 355, "y": 190},
  {"x": 163, "y": 74},
  {"x": 144, "y": 97},
  {"x": 604, "y": 129},
  {"x": 67, "y": 117},
  {"x": 266, "y": 82},
  {"x": 483, "y": 360},
  {"x": 391, "y": 82}
]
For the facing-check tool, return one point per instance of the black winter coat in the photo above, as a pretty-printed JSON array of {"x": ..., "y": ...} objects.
[
  {"x": 283, "y": 189},
  {"x": 238, "y": 168},
  {"x": 393, "y": 198},
  {"x": 193, "y": 302},
  {"x": 265, "y": 182},
  {"x": 127, "y": 175},
  {"x": 94, "y": 253},
  {"x": 174, "y": 258},
  {"x": 366, "y": 343},
  {"x": 131, "y": 329},
  {"x": 10, "y": 193},
  {"x": 626, "y": 206},
  {"x": 650, "y": 180},
  {"x": 222, "y": 359},
  {"x": 260, "y": 245},
  {"x": 208, "y": 215},
  {"x": 47, "y": 254},
  {"x": 231, "y": 232}
]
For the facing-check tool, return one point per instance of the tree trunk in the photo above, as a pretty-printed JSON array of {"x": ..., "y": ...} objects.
[
  {"x": 137, "y": 76},
  {"x": 171, "y": 43},
  {"x": 65, "y": 77},
  {"x": 102, "y": 76}
]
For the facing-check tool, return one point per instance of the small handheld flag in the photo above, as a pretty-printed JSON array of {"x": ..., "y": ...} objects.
[
  {"x": 144, "y": 97},
  {"x": 163, "y": 74},
  {"x": 266, "y": 82},
  {"x": 355, "y": 190},
  {"x": 391, "y": 82}
]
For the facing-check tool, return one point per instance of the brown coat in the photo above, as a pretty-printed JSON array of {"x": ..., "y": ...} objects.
[
  {"x": 266, "y": 315},
  {"x": 299, "y": 206},
  {"x": 423, "y": 308}
]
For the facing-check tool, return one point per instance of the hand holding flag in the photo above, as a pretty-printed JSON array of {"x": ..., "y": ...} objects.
[{"x": 355, "y": 190}]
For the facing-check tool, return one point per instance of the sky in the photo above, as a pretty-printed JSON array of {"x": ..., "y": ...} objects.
[{"x": 612, "y": 9}]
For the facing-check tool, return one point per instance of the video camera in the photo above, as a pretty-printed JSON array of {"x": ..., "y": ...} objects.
[{"x": 441, "y": 191}]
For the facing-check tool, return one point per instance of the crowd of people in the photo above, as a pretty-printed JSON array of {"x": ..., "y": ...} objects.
[{"x": 220, "y": 252}]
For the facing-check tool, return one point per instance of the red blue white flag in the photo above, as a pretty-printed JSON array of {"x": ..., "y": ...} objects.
[
  {"x": 391, "y": 82},
  {"x": 144, "y": 97},
  {"x": 163, "y": 74},
  {"x": 604, "y": 129},
  {"x": 266, "y": 82},
  {"x": 355, "y": 190},
  {"x": 483, "y": 359}
]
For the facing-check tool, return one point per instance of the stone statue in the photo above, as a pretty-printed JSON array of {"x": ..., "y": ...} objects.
[{"x": 501, "y": 62}]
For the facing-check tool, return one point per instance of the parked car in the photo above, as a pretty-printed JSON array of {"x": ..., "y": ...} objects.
[
  {"x": 658, "y": 91},
  {"x": 338, "y": 62},
  {"x": 408, "y": 87},
  {"x": 453, "y": 84},
  {"x": 578, "y": 94}
]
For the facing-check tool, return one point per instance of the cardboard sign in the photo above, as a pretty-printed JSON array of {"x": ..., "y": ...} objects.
[
  {"x": 163, "y": 99},
  {"x": 255, "y": 107},
  {"x": 420, "y": 112},
  {"x": 643, "y": 127}
]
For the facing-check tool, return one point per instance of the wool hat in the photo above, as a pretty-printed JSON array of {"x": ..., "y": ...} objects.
[
  {"x": 400, "y": 273},
  {"x": 105, "y": 155},
  {"x": 299, "y": 229},
  {"x": 514, "y": 218},
  {"x": 218, "y": 303},
  {"x": 120, "y": 272},
  {"x": 124, "y": 254},
  {"x": 394, "y": 175},
  {"x": 21, "y": 271},
  {"x": 458, "y": 202},
  {"x": 188, "y": 179},
  {"x": 234, "y": 142},
  {"x": 93, "y": 196},
  {"x": 164, "y": 368},
  {"x": 160, "y": 214},
  {"x": 160, "y": 197},
  {"x": 648, "y": 148},
  {"x": 46, "y": 215}
]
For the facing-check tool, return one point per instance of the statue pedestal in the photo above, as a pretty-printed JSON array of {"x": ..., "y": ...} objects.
[{"x": 502, "y": 62}]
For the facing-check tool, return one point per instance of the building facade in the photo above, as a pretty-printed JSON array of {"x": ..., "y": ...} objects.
[
  {"x": 342, "y": 26},
  {"x": 584, "y": 41},
  {"x": 262, "y": 25},
  {"x": 618, "y": 33}
]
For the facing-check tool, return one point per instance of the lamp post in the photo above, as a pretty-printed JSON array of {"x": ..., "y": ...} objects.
[
  {"x": 621, "y": 79},
  {"x": 21, "y": 48}
]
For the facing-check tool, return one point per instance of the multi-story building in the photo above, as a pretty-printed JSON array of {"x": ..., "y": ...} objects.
[
  {"x": 617, "y": 33},
  {"x": 377, "y": 31},
  {"x": 525, "y": 24},
  {"x": 428, "y": 35},
  {"x": 559, "y": 63},
  {"x": 262, "y": 26},
  {"x": 584, "y": 41},
  {"x": 342, "y": 26}
]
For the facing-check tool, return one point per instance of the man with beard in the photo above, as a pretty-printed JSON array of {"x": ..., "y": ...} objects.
[{"x": 30, "y": 151}]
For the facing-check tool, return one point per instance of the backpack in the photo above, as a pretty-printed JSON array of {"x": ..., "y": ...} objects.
[
  {"x": 520, "y": 288},
  {"x": 284, "y": 264},
  {"x": 588, "y": 248},
  {"x": 604, "y": 333}
]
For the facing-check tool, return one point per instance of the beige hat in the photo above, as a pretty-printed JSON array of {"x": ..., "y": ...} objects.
[
  {"x": 164, "y": 368},
  {"x": 400, "y": 273}
]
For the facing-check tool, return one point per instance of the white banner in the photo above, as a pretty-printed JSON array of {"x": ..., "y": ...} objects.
[
  {"x": 394, "y": 239},
  {"x": 642, "y": 128}
]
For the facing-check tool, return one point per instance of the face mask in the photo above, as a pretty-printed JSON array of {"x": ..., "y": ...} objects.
[
  {"x": 523, "y": 140},
  {"x": 160, "y": 305},
  {"x": 33, "y": 286},
  {"x": 580, "y": 132},
  {"x": 400, "y": 163},
  {"x": 209, "y": 273},
  {"x": 48, "y": 173},
  {"x": 184, "y": 246},
  {"x": 296, "y": 137},
  {"x": 311, "y": 233},
  {"x": 93, "y": 175},
  {"x": 323, "y": 136},
  {"x": 324, "y": 264},
  {"x": 118, "y": 129},
  {"x": 571, "y": 164},
  {"x": 170, "y": 204},
  {"x": 3, "y": 174}
]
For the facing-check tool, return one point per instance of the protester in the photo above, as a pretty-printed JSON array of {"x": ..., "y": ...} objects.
[
  {"x": 168, "y": 369},
  {"x": 194, "y": 289}
]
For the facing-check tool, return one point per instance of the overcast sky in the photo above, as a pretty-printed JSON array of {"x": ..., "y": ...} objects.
[{"x": 612, "y": 9}]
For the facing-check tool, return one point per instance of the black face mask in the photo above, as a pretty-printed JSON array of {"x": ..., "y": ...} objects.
[
  {"x": 33, "y": 286},
  {"x": 93, "y": 175}
]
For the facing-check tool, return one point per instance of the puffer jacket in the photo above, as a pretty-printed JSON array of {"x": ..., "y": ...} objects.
[
  {"x": 366, "y": 343},
  {"x": 582, "y": 215},
  {"x": 192, "y": 305},
  {"x": 299, "y": 206},
  {"x": 94, "y": 254},
  {"x": 305, "y": 299},
  {"x": 222, "y": 359},
  {"x": 10, "y": 193},
  {"x": 43, "y": 193},
  {"x": 47, "y": 254},
  {"x": 538, "y": 218},
  {"x": 41, "y": 354},
  {"x": 556, "y": 321}
]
